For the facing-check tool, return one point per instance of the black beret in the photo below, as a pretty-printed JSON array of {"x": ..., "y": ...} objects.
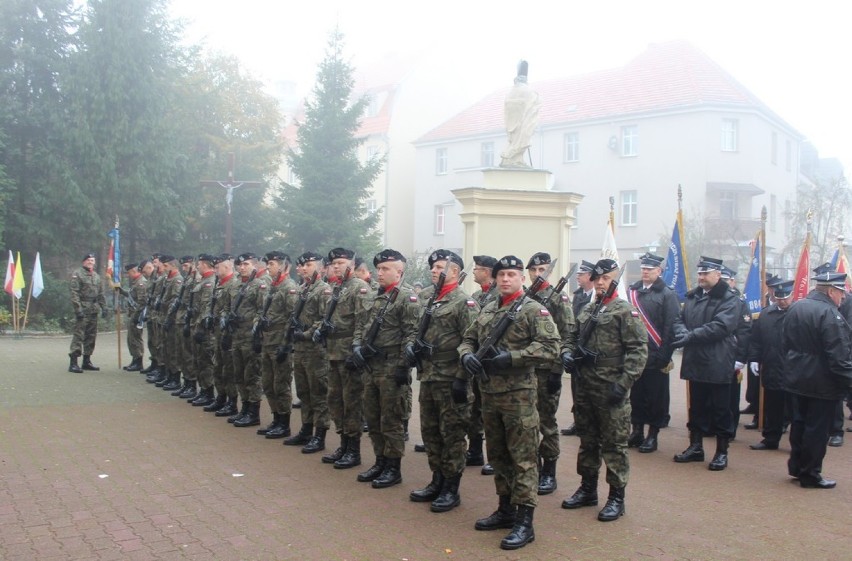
[
  {"x": 276, "y": 256},
  {"x": 307, "y": 257},
  {"x": 445, "y": 255},
  {"x": 212, "y": 259},
  {"x": 225, "y": 257},
  {"x": 88, "y": 256},
  {"x": 131, "y": 266},
  {"x": 388, "y": 255},
  {"x": 484, "y": 261},
  {"x": 187, "y": 259},
  {"x": 707, "y": 264},
  {"x": 358, "y": 262},
  {"x": 508, "y": 262},
  {"x": 603, "y": 267},
  {"x": 540, "y": 258},
  {"x": 166, "y": 258},
  {"x": 156, "y": 255},
  {"x": 340, "y": 253},
  {"x": 142, "y": 264},
  {"x": 243, "y": 257},
  {"x": 585, "y": 267},
  {"x": 651, "y": 261}
]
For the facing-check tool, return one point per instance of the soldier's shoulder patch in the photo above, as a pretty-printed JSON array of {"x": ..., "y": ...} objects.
[
  {"x": 207, "y": 284},
  {"x": 262, "y": 286},
  {"x": 362, "y": 291},
  {"x": 178, "y": 280},
  {"x": 634, "y": 313},
  {"x": 543, "y": 312},
  {"x": 471, "y": 304},
  {"x": 564, "y": 297},
  {"x": 412, "y": 298},
  {"x": 327, "y": 291},
  {"x": 75, "y": 276},
  {"x": 292, "y": 291}
]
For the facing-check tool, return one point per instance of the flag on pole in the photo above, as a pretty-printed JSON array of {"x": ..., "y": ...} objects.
[
  {"x": 834, "y": 260},
  {"x": 10, "y": 274},
  {"x": 675, "y": 274},
  {"x": 753, "y": 290},
  {"x": 114, "y": 258},
  {"x": 803, "y": 271},
  {"x": 18, "y": 284},
  {"x": 841, "y": 265},
  {"x": 610, "y": 251},
  {"x": 38, "y": 278}
]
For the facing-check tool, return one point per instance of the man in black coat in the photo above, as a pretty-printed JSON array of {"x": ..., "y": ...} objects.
[
  {"x": 817, "y": 347},
  {"x": 766, "y": 360},
  {"x": 659, "y": 309},
  {"x": 707, "y": 331}
]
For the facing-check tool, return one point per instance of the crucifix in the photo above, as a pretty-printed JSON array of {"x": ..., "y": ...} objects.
[{"x": 229, "y": 186}]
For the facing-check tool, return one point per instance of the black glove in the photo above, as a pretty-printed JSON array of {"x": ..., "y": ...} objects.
[
  {"x": 223, "y": 323},
  {"x": 104, "y": 312},
  {"x": 410, "y": 355},
  {"x": 186, "y": 331},
  {"x": 281, "y": 353},
  {"x": 682, "y": 340},
  {"x": 459, "y": 391},
  {"x": 471, "y": 364},
  {"x": 256, "y": 346},
  {"x": 317, "y": 337},
  {"x": 299, "y": 335},
  {"x": 199, "y": 336},
  {"x": 401, "y": 376},
  {"x": 501, "y": 360},
  {"x": 616, "y": 395},
  {"x": 554, "y": 383},
  {"x": 264, "y": 323},
  {"x": 79, "y": 315},
  {"x": 356, "y": 357},
  {"x": 207, "y": 323}
]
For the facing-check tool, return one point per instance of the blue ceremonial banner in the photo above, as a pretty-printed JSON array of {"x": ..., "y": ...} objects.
[
  {"x": 114, "y": 257},
  {"x": 834, "y": 259},
  {"x": 675, "y": 274},
  {"x": 753, "y": 288}
]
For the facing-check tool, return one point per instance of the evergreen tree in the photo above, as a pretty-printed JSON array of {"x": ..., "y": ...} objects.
[{"x": 328, "y": 207}]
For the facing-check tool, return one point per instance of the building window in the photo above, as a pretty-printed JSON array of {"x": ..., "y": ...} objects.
[
  {"x": 728, "y": 205},
  {"x": 486, "y": 152},
  {"x": 440, "y": 214},
  {"x": 441, "y": 161},
  {"x": 571, "y": 147},
  {"x": 774, "y": 149},
  {"x": 629, "y": 208},
  {"x": 729, "y": 135},
  {"x": 773, "y": 212},
  {"x": 788, "y": 156},
  {"x": 630, "y": 140}
]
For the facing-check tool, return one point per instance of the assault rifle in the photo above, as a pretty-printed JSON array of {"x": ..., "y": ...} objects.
[
  {"x": 294, "y": 322},
  {"x": 581, "y": 353},
  {"x": 209, "y": 321},
  {"x": 560, "y": 285},
  {"x": 131, "y": 302},
  {"x": 326, "y": 326},
  {"x": 158, "y": 301},
  {"x": 229, "y": 322},
  {"x": 187, "y": 320},
  {"x": 175, "y": 305},
  {"x": 368, "y": 351},
  {"x": 483, "y": 298},
  {"x": 143, "y": 316},
  {"x": 421, "y": 347},
  {"x": 261, "y": 324},
  {"x": 488, "y": 349}
]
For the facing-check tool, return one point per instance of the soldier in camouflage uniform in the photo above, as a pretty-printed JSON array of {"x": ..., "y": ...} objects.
[
  {"x": 138, "y": 293},
  {"x": 509, "y": 411},
  {"x": 87, "y": 299},
  {"x": 550, "y": 375},
  {"x": 345, "y": 387},
  {"x": 223, "y": 371},
  {"x": 277, "y": 368},
  {"x": 482, "y": 266},
  {"x": 165, "y": 318},
  {"x": 386, "y": 372},
  {"x": 203, "y": 343},
  {"x": 617, "y": 348},
  {"x": 183, "y": 341},
  {"x": 157, "y": 370},
  {"x": 310, "y": 365},
  {"x": 443, "y": 420}
]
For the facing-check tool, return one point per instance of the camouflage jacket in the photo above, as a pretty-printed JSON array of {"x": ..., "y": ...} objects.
[
  {"x": 312, "y": 313},
  {"x": 355, "y": 297},
  {"x": 173, "y": 282},
  {"x": 87, "y": 291},
  {"x": 203, "y": 294},
  {"x": 453, "y": 314},
  {"x": 560, "y": 310},
  {"x": 399, "y": 327},
  {"x": 139, "y": 293},
  {"x": 157, "y": 286},
  {"x": 284, "y": 297},
  {"x": 227, "y": 290},
  {"x": 250, "y": 307}
]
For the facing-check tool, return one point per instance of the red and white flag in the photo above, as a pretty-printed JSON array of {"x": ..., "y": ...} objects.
[{"x": 801, "y": 287}]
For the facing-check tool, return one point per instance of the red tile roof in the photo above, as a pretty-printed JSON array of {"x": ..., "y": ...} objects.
[{"x": 666, "y": 76}]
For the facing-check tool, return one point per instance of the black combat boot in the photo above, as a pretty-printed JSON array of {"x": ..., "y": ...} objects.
[
  {"x": 614, "y": 507},
  {"x": 636, "y": 437},
  {"x": 352, "y": 456},
  {"x": 585, "y": 495},
  {"x": 161, "y": 374},
  {"x": 228, "y": 409},
  {"x": 431, "y": 491},
  {"x": 205, "y": 397},
  {"x": 650, "y": 442},
  {"x": 503, "y": 517},
  {"x": 391, "y": 475},
  {"x": 173, "y": 383},
  {"x": 720, "y": 458},
  {"x": 164, "y": 378},
  {"x": 474, "y": 455},
  {"x": 87, "y": 363},
  {"x": 304, "y": 436},
  {"x": 522, "y": 532},
  {"x": 135, "y": 365},
  {"x": 276, "y": 420},
  {"x": 405, "y": 435},
  {"x": 338, "y": 453},
  {"x": 239, "y": 414},
  {"x": 252, "y": 416},
  {"x": 217, "y": 404},
  {"x": 449, "y": 497},
  {"x": 73, "y": 366},
  {"x": 547, "y": 478},
  {"x": 373, "y": 471},
  {"x": 316, "y": 443},
  {"x": 153, "y": 366},
  {"x": 181, "y": 389},
  {"x": 191, "y": 391},
  {"x": 570, "y": 431},
  {"x": 487, "y": 469},
  {"x": 283, "y": 428},
  {"x": 695, "y": 452}
]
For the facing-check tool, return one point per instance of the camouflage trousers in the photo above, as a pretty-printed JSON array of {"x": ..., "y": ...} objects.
[
  {"x": 443, "y": 425},
  {"x": 173, "y": 349},
  {"x": 510, "y": 420},
  {"x": 384, "y": 409},
  {"x": 223, "y": 371},
  {"x": 160, "y": 343},
  {"x": 135, "y": 345},
  {"x": 408, "y": 403},
  {"x": 204, "y": 355},
  {"x": 345, "y": 398},
  {"x": 85, "y": 333},
  {"x": 548, "y": 404},
  {"x": 246, "y": 370},
  {"x": 310, "y": 370},
  {"x": 603, "y": 432},
  {"x": 277, "y": 380},
  {"x": 190, "y": 373},
  {"x": 475, "y": 425},
  {"x": 153, "y": 335}
]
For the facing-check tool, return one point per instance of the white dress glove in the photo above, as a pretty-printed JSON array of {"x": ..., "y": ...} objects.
[
  {"x": 738, "y": 365},
  {"x": 755, "y": 367}
]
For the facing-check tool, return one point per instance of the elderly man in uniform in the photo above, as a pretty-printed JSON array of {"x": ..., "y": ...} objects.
[
  {"x": 610, "y": 357},
  {"x": 583, "y": 295},
  {"x": 87, "y": 298},
  {"x": 509, "y": 412},
  {"x": 707, "y": 331},
  {"x": 444, "y": 414},
  {"x": 659, "y": 309}
]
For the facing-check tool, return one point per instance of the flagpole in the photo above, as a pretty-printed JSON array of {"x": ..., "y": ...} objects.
[
  {"x": 27, "y": 309},
  {"x": 612, "y": 214},
  {"x": 680, "y": 234},
  {"x": 762, "y": 242},
  {"x": 115, "y": 288}
]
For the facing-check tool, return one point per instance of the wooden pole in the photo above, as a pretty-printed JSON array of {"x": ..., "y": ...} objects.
[
  {"x": 117, "y": 322},
  {"x": 27, "y": 309}
]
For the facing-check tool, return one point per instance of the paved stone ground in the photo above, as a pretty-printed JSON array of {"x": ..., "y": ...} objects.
[{"x": 100, "y": 466}]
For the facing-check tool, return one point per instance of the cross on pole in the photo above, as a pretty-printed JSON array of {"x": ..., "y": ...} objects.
[{"x": 230, "y": 185}]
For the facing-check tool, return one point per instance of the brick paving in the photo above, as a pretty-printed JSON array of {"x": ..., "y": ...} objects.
[{"x": 101, "y": 466}]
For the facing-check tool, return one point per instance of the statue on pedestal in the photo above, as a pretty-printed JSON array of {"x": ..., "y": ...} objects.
[{"x": 521, "y": 113}]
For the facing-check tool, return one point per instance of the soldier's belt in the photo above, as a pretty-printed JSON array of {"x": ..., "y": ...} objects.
[
  {"x": 338, "y": 335},
  {"x": 444, "y": 356},
  {"x": 610, "y": 361}
]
